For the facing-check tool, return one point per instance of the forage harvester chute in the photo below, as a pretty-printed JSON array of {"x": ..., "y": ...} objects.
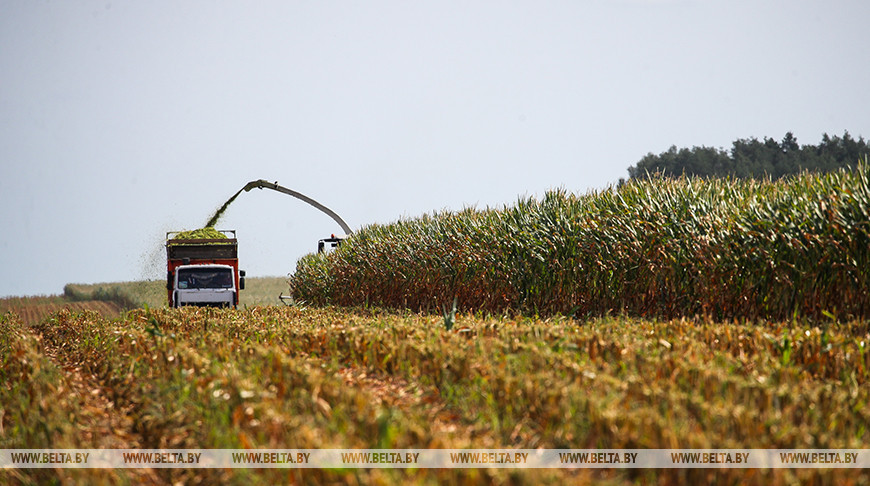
[
  {"x": 333, "y": 241},
  {"x": 264, "y": 184}
]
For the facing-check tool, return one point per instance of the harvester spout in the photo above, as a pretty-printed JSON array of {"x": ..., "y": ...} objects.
[
  {"x": 254, "y": 184},
  {"x": 262, "y": 183}
]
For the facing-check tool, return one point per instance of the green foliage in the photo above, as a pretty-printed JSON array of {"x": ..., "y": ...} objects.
[
  {"x": 755, "y": 158},
  {"x": 114, "y": 294},
  {"x": 450, "y": 316},
  {"x": 664, "y": 247}
]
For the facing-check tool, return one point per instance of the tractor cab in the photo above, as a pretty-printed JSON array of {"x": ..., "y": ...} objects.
[{"x": 328, "y": 245}]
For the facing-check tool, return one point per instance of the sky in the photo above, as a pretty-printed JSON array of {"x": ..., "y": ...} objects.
[{"x": 123, "y": 120}]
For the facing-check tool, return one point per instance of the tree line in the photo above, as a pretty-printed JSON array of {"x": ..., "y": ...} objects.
[{"x": 753, "y": 158}]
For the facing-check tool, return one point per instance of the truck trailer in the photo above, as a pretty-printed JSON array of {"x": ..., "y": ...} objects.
[{"x": 203, "y": 272}]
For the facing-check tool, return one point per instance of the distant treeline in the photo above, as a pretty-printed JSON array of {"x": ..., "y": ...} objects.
[{"x": 753, "y": 158}]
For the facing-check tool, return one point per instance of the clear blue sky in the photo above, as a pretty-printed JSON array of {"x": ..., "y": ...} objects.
[{"x": 121, "y": 120}]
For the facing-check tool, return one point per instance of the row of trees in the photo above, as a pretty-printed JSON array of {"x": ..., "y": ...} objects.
[{"x": 755, "y": 158}]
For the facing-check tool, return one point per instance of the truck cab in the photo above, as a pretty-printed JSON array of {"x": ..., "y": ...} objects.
[
  {"x": 203, "y": 272},
  {"x": 212, "y": 285}
]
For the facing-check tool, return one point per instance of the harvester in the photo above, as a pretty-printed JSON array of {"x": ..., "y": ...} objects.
[{"x": 322, "y": 245}]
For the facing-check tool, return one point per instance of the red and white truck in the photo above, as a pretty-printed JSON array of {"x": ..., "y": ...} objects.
[{"x": 203, "y": 272}]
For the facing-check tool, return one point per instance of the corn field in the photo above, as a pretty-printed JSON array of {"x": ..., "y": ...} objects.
[{"x": 664, "y": 247}]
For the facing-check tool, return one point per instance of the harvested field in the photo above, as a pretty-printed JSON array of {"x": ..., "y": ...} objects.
[
  {"x": 279, "y": 377},
  {"x": 33, "y": 310}
]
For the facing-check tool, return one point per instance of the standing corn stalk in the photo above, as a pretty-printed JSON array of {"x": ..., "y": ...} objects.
[{"x": 660, "y": 247}]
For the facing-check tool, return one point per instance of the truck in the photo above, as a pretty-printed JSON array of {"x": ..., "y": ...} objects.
[{"x": 203, "y": 271}]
